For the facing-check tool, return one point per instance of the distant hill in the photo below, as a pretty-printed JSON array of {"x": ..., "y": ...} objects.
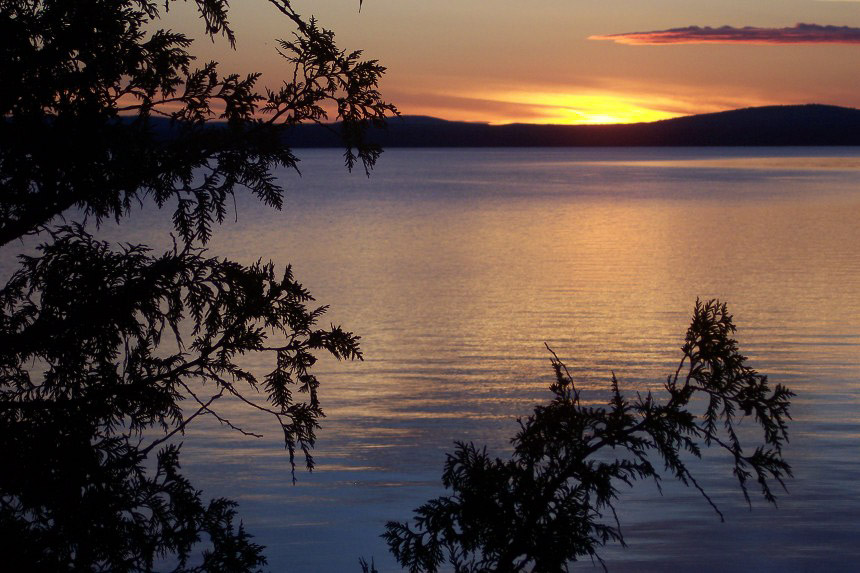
[{"x": 758, "y": 126}]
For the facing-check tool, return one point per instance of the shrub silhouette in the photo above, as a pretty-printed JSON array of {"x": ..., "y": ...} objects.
[
  {"x": 107, "y": 352},
  {"x": 553, "y": 501}
]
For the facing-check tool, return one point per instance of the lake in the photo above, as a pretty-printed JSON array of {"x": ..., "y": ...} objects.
[{"x": 456, "y": 265}]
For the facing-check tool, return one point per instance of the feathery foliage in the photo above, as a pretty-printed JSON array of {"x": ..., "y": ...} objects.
[
  {"x": 553, "y": 502},
  {"x": 109, "y": 352}
]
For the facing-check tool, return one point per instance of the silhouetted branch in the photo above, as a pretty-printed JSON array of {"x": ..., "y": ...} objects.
[
  {"x": 544, "y": 507},
  {"x": 181, "y": 427},
  {"x": 101, "y": 111}
]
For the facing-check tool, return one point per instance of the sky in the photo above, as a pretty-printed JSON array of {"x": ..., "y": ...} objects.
[{"x": 572, "y": 61}]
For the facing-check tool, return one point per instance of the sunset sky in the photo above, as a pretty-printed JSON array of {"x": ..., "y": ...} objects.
[{"x": 574, "y": 61}]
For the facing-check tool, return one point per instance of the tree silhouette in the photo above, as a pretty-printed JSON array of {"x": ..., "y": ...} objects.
[
  {"x": 107, "y": 352},
  {"x": 553, "y": 502}
]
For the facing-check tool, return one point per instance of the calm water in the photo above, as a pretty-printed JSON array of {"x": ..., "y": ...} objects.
[{"x": 456, "y": 265}]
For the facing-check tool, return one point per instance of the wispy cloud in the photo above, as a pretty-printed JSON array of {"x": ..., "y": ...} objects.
[{"x": 799, "y": 34}]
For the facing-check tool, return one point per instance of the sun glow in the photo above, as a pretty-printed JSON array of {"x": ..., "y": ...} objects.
[
  {"x": 602, "y": 108},
  {"x": 607, "y": 102}
]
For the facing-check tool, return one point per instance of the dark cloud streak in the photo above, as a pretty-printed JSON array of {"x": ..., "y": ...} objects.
[{"x": 799, "y": 34}]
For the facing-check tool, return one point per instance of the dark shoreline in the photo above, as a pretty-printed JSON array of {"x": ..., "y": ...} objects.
[{"x": 801, "y": 125}]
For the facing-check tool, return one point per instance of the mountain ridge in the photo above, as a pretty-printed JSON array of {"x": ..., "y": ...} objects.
[{"x": 786, "y": 125}]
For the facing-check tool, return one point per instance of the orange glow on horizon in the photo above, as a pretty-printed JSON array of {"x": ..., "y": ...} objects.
[
  {"x": 572, "y": 105},
  {"x": 581, "y": 108},
  {"x": 592, "y": 109}
]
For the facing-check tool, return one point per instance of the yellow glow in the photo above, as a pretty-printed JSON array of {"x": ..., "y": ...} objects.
[
  {"x": 596, "y": 108},
  {"x": 609, "y": 102}
]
